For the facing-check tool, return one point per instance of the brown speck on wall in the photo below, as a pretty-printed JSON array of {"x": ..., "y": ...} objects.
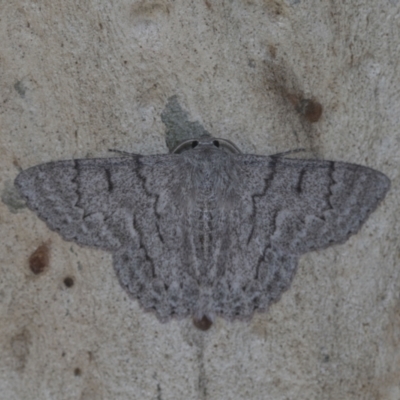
[{"x": 39, "y": 259}]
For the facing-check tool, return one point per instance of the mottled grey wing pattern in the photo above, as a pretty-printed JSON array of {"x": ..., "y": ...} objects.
[
  {"x": 310, "y": 204},
  {"x": 303, "y": 205},
  {"x": 86, "y": 201},
  {"x": 205, "y": 232}
]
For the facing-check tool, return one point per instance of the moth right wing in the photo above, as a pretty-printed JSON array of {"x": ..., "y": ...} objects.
[
  {"x": 290, "y": 207},
  {"x": 304, "y": 205}
]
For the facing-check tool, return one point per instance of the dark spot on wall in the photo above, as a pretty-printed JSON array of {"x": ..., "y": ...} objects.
[
  {"x": 310, "y": 109},
  {"x": 39, "y": 259},
  {"x": 204, "y": 324},
  {"x": 20, "y": 88},
  {"x": 297, "y": 111},
  {"x": 208, "y": 4},
  {"x": 77, "y": 372},
  {"x": 68, "y": 282}
]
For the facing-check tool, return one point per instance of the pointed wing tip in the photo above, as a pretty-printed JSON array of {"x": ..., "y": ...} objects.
[
  {"x": 20, "y": 183},
  {"x": 383, "y": 185}
]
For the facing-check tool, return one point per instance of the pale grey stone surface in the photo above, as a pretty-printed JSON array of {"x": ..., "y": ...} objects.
[{"x": 78, "y": 78}]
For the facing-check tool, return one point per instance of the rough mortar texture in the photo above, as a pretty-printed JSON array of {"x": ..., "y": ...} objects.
[{"x": 79, "y": 78}]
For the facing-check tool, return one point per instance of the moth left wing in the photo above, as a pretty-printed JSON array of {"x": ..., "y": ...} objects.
[{"x": 94, "y": 202}]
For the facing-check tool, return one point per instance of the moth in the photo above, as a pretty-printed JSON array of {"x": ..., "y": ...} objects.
[{"x": 204, "y": 231}]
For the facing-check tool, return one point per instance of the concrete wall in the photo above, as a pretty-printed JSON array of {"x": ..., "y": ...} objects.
[{"x": 80, "y": 77}]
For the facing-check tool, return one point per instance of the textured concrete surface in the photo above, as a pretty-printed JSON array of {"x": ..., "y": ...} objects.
[{"x": 78, "y": 78}]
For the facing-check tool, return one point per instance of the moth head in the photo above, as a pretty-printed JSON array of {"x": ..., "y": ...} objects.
[{"x": 204, "y": 142}]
